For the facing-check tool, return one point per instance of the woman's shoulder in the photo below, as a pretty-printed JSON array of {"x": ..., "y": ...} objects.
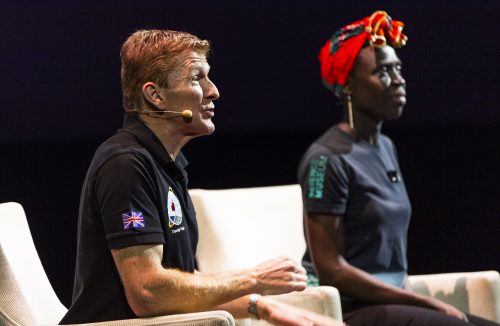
[
  {"x": 334, "y": 141},
  {"x": 330, "y": 147}
]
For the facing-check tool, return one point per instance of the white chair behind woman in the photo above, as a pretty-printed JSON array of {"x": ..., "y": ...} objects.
[{"x": 241, "y": 227}]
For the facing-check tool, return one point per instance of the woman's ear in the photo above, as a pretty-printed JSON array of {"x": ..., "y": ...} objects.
[{"x": 151, "y": 95}]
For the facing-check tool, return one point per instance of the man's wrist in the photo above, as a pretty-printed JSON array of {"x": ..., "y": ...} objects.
[{"x": 252, "y": 306}]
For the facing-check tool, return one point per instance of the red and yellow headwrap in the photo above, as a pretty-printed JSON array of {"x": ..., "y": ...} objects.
[{"x": 339, "y": 53}]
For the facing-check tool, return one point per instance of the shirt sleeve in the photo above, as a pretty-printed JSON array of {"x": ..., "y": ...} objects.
[
  {"x": 325, "y": 185},
  {"x": 126, "y": 195}
]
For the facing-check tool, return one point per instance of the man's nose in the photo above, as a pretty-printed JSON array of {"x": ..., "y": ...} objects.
[{"x": 212, "y": 93}]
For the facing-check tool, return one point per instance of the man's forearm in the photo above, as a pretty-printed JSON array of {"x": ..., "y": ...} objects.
[
  {"x": 172, "y": 291},
  {"x": 238, "y": 308},
  {"x": 277, "y": 313},
  {"x": 153, "y": 290}
]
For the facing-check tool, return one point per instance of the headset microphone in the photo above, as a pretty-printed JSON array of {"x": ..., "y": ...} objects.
[{"x": 185, "y": 114}]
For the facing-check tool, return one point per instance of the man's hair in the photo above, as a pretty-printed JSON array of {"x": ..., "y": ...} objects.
[{"x": 149, "y": 55}]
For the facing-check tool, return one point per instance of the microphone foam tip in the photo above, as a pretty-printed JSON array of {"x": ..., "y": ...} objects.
[{"x": 187, "y": 114}]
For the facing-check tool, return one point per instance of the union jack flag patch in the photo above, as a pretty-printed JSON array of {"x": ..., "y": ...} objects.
[{"x": 133, "y": 219}]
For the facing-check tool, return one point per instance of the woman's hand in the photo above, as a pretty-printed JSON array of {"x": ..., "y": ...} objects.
[{"x": 445, "y": 308}]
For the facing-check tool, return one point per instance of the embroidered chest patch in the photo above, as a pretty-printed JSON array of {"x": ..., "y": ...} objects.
[{"x": 174, "y": 209}]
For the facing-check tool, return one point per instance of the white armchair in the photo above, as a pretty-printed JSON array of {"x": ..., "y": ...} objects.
[
  {"x": 242, "y": 227},
  {"x": 477, "y": 293},
  {"x": 27, "y": 298}
]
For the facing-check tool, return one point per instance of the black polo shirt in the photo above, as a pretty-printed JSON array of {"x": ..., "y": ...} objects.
[{"x": 133, "y": 194}]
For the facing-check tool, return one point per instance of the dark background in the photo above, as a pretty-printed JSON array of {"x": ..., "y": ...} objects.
[{"x": 60, "y": 97}]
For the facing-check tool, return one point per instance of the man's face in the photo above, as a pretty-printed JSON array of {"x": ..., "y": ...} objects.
[
  {"x": 378, "y": 88},
  {"x": 189, "y": 88}
]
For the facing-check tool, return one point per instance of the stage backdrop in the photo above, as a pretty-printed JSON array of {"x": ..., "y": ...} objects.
[{"x": 60, "y": 97}]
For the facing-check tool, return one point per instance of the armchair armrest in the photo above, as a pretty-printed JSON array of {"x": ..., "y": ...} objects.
[
  {"x": 207, "y": 318},
  {"x": 477, "y": 293}
]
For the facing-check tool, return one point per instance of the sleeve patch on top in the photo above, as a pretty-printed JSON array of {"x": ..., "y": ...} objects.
[
  {"x": 133, "y": 220},
  {"x": 317, "y": 172}
]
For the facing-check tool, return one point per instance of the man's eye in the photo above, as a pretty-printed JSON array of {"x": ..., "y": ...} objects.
[
  {"x": 399, "y": 68},
  {"x": 196, "y": 78}
]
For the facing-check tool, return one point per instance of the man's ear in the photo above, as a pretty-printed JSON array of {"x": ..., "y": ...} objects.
[{"x": 152, "y": 95}]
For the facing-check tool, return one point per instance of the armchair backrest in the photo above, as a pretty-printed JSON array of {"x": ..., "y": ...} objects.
[
  {"x": 26, "y": 296},
  {"x": 242, "y": 227}
]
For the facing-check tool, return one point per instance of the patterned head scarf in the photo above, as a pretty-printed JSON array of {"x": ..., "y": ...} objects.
[{"x": 339, "y": 53}]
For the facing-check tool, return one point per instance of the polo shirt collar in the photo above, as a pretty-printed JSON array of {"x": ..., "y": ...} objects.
[{"x": 149, "y": 140}]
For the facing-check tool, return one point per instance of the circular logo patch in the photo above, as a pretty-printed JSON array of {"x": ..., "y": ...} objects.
[{"x": 174, "y": 209}]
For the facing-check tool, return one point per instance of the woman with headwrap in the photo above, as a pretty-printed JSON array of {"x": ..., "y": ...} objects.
[{"x": 356, "y": 206}]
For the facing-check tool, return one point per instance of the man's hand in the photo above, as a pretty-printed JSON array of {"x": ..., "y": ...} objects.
[
  {"x": 279, "y": 275},
  {"x": 278, "y": 313}
]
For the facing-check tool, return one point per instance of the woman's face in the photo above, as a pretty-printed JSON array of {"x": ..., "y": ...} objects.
[{"x": 376, "y": 84}]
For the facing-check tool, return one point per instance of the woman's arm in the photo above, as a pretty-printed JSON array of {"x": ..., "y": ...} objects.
[{"x": 326, "y": 239}]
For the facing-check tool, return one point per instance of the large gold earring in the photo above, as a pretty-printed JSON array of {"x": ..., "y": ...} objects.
[{"x": 349, "y": 110}]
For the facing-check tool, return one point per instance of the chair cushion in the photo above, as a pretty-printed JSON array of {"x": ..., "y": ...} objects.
[{"x": 242, "y": 227}]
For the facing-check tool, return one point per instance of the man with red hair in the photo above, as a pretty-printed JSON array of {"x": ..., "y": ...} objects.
[{"x": 137, "y": 231}]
